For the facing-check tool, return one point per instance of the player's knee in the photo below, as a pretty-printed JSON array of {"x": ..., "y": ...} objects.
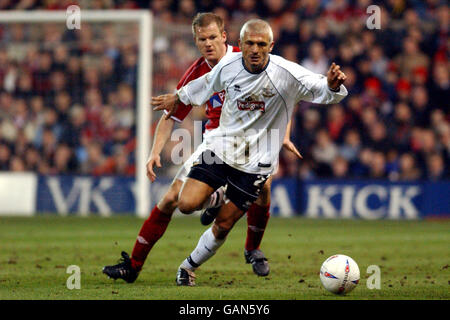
[{"x": 186, "y": 206}]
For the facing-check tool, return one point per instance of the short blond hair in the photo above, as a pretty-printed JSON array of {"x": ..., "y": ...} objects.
[{"x": 258, "y": 26}]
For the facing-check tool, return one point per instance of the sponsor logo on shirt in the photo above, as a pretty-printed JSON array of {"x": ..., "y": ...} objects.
[
  {"x": 251, "y": 104},
  {"x": 216, "y": 100}
]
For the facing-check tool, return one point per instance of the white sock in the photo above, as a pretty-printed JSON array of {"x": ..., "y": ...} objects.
[
  {"x": 216, "y": 199},
  {"x": 206, "y": 248}
]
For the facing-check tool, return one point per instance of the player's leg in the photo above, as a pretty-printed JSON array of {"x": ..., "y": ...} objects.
[
  {"x": 207, "y": 174},
  {"x": 153, "y": 227},
  {"x": 156, "y": 224},
  {"x": 257, "y": 217},
  {"x": 193, "y": 196},
  {"x": 210, "y": 241},
  {"x": 242, "y": 190},
  {"x": 151, "y": 231}
]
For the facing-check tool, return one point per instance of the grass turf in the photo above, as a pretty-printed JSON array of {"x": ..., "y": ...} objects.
[{"x": 35, "y": 253}]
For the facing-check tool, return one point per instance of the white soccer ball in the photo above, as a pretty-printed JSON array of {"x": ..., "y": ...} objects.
[{"x": 339, "y": 274}]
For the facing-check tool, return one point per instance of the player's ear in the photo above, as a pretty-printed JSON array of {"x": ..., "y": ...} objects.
[
  {"x": 239, "y": 44},
  {"x": 224, "y": 36},
  {"x": 271, "y": 46}
]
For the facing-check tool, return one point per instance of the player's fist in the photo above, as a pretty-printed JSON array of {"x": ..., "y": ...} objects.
[
  {"x": 151, "y": 162},
  {"x": 335, "y": 76}
]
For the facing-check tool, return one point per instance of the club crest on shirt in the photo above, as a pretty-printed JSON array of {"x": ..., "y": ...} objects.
[
  {"x": 267, "y": 92},
  {"x": 251, "y": 104}
]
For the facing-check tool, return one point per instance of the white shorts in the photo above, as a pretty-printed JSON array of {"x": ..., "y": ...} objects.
[{"x": 186, "y": 167}]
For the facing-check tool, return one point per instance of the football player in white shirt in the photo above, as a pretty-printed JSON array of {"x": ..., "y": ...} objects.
[{"x": 261, "y": 92}]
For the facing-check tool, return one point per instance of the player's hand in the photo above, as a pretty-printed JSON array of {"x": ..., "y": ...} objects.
[
  {"x": 335, "y": 76},
  {"x": 152, "y": 161},
  {"x": 167, "y": 102},
  {"x": 289, "y": 145}
]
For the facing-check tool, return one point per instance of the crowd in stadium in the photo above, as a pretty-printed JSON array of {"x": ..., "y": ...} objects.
[{"x": 61, "y": 114}]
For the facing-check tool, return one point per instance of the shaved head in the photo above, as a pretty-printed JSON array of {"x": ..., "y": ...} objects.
[
  {"x": 256, "y": 43},
  {"x": 256, "y": 26}
]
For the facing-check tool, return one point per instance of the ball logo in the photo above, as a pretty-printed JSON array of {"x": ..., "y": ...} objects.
[
  {"x": 329, "y": 275},
  {"x": 344, "y": 281}
]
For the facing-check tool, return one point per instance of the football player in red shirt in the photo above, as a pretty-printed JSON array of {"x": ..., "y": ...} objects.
[{"x": 210, "y": 38}]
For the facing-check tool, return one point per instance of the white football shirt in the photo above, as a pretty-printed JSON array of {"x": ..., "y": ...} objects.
[{"x": 257, "y": 107}]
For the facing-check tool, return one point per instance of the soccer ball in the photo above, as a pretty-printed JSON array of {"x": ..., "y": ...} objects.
[{"x": 339, "y": 274}]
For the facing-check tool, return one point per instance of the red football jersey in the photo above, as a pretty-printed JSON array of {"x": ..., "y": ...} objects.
[{"x": 214, "y": 104}]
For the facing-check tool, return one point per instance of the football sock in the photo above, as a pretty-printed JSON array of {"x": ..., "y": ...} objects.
[
  {"x": 215, "y": 199},
  {"x": 206, "y": 248},
  {"x": 152, "y": 229},
  {"x": 257, "y": 218}
]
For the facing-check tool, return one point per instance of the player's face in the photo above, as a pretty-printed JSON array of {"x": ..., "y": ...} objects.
[
  {"x": 255, "y": 49},
  {"x": 211, "y": 43}
]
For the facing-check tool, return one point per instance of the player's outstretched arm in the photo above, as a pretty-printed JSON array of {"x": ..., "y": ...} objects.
[
  {"x": 162, "y": 134},
  {"x": 288, "y": 144},
  {"x": 318, "y": 88}
]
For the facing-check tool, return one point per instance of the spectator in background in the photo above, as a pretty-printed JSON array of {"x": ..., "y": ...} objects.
[
  {"x": 340, "y": 168},
  {"x": 378, "y": 139},
  {"x": 336, "y": 122},
  {"x": 32, "y": 159},
  {"x": 411, "y": 58},
  {"x": 378, "y": 166},
  {"x": 408, "y": 168},
  {"x": 17, "y": 164},
  {"x": 309, "y": 124},
  {"x": 400, "y": 128},
  {"x": 427, "y": 146},
  {"x": 63, "y": 160},
  {"x": 316, "y": 61},
  {"x": 420, "y": 106},
  {"x": 95, "y": 160},
  {"x": 324, "y": 152},
  {"x": 435, "y": 167},
  {"x": 351, "y": 146},
  {"x": 440, "y": 86}
]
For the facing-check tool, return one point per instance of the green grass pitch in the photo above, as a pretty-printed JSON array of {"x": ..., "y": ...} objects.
[{"x": 35, "y": 252}]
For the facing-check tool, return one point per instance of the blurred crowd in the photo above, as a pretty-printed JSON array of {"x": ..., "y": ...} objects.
[{"x": 69, "y": 107}]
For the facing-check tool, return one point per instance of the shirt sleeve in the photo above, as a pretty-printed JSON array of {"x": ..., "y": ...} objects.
[
  {"x": 198, "y": 91},
  {"x": 313, "y": 87}
]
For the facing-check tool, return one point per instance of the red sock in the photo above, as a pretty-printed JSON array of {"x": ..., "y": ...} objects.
[
  {"x": 257, "y": 218},
  {"x": 152, "y": 229}
]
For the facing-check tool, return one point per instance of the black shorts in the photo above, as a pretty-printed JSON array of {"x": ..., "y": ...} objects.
[{"x": 242, "y": 188}]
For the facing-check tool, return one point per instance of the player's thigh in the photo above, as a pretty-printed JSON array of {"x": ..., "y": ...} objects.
[
  {"x": 206, "y": 175},
  {"x": 193, "y": 194},
  {"x": 264, "y": 197},
  {"x": 244, "y": 188}
]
